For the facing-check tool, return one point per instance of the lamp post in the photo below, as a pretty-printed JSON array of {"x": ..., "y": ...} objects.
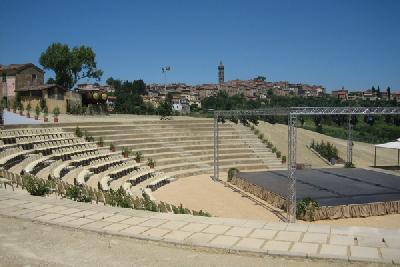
[{"x": 164, "y": 72}]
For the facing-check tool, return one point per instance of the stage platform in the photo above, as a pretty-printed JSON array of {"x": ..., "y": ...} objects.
[{"x": 331, "y": 186}]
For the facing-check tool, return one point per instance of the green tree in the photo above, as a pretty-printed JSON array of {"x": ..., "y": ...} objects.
[
  {"x": 388, "y": 92},
  {"x": 70, "y": 65},
  {"x": 260, "y": 78},
  {"x": 51, "y": 81}
]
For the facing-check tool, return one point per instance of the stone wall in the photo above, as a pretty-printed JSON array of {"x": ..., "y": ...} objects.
[{"x": 24, "y": 78}]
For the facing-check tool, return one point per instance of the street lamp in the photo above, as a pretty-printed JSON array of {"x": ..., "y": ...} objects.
[{"x": 164, "y": 72}]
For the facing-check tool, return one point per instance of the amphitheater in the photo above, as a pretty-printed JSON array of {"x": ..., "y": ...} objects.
[{"x": 181, "y": 148}]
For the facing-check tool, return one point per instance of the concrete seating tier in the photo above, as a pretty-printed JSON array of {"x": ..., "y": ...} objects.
[
  {"x": 185, "y": 147},
  {"x": 56, "y": 154}
]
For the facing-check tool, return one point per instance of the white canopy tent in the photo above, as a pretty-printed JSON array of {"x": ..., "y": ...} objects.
[{"x": 390, "y": 145}]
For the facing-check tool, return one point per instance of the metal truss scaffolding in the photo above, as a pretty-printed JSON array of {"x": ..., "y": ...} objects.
[{"x": 293, "y": 113}]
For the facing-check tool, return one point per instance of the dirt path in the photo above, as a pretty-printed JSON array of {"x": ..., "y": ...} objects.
[{"x": 24, "y": 243}]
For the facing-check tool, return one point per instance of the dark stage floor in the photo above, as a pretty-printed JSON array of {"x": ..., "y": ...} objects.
[{"x": 331, "y": 187}]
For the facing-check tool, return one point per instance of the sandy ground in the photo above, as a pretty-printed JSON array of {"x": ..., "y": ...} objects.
[
  {"x": 363, "y": 153},
  {"x": 201, "y": 192},
  {"x": 25, "y": 243}
]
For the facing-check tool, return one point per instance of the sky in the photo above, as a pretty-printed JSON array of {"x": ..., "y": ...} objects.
[{"x": 334, "y": 43}]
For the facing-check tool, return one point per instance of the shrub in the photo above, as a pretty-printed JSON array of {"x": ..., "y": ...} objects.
[
  {"x": 35, "y": 187},
  {"x": 261, "y": 136},
  {"x": 273, "y": 149},
  {"x": 112, "y": 146},
  {"x": 78, "y": 132},
  {"x": 257, "y": 132},
  {"x": 349, "y": 165},
  {"x": 138, "y": 156},
  {"x": 37, "y": 110},
  {"x": 29, "y": 107},
  {"x": 269, "y": 145},
  {"x": 252, "y": 127},
  {"x": 278, "y": 154},
  {"x": 283, "y": 159},
  {"x": 119, "y": 198},
  {"x": 101, "y": 141},
  {"x": 305, "y": 208},
  {"x": 232, "y": 172},
  {"x": 45, "y": 111},
  {"x": 76, "y": 193},
  {"x": 56, "y": 112},
  {"x": 234, "y": 120},
  {"x": 326, "y": 150},
  {"x": 151, "y": 162}
]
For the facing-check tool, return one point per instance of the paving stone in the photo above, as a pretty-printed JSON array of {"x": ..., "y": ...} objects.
[
  {"x": 391, "y": 254},
  {"x": 216, "y": 229},
  {"x": 173, "y": 225},
  {"x": 393, "y": 242},
  {"x": 18, "y": 212},
  {"x": 153, "y": 222},
  {"x": 254, "y": 224},
  {"x": 232, "y": 221},
  {"x": 115, "y": 227},
  {"x": 156, "y": 232},
  {"x": 288, "y": 236},
  {"x": 78, "y": 222},
  {"x": 41, "y": 207},
  {"x": 134, "y": 230},
  {"x": 224, "y": 241},
  {"x": 239, "y": 231},
  {"x": 48, "y": 217},
  {"x": 363, "y": 253},
  {"x": 276, "y": 226},
  {"x": 194, "y": 227},
  {"x": 277, "y": 246},
  {"x": 263, "y": 233},
  {"x": 370, "y": 242},
  {"x": 96, "y": 226},
  {"x": 134, "y": 220},
  {"x": 177, "y": 235},
  {"x": 304, "y": 248},
  {"x": 296, "y": 227},
  {"x": 32, "y": 215},
  {"x": 319, "y": 228},
  {"x": 84, "y": 213},
  {"x": 27, "y": 205},
  {"x": 99, "y": 216},
  {"x": 55, "y": 209},
  {"x": 315, "y": 238},
  {"x": 342, "y": 230},
  {"x": 62, "y": 219},
  {"x": 116, "y": 218},
  {"x": 200, "y": 238},
  {"x": 69, "y": 211},
  {"x": 345, "y": 240},
  {"x": 334, "y": 251},
  {"x": 251, "y": 243}
]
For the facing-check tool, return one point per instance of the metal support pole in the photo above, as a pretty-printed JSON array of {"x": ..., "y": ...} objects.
[
  {"x": 375, "y": 158},
  {"x": 349, "y": 142},
  {"x": 216, "y": 145},
  {"x": 292, "y": 131}
]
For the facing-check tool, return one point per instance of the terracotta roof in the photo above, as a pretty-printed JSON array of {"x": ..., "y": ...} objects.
[
  {"x": 13, "y": 69},
  {"x": 39, "y": 87}
]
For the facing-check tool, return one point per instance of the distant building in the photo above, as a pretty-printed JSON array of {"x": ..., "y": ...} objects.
[
  {"x": 221, "y": 70},
  {"x": 16, "y": 76},
  {"x": 341, "y": 94}
]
